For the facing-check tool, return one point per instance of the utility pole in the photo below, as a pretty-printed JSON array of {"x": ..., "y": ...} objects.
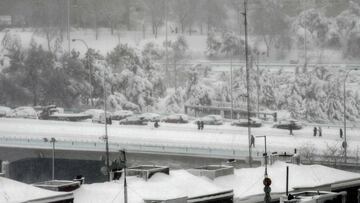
[
  {"x": 247, "y": 81},
  {"x": 231, "y": 88},
  {"x": 68, "y": 24},
  {"x": 166, "y": 43},
  {"x": 258, "y": 84},
  {"x": 125, "y": 182},
  {"x": 106, "y": 130}
]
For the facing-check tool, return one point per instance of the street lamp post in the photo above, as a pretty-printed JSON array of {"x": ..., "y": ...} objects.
[
  {"x": 106, "y": 129},
  {"x": 52, "y": 140},
  {"x": 89, "y": 67},
  {"x": 265, "y": 154},
  {"x": 267, "y": 180},
  {"x": 345, "y": 142},
  {"x": 123, "y": 152}
]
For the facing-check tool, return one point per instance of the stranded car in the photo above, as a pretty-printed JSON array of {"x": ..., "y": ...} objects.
[
  {"x": 152, "y": 117},
  {"x": 286, "y": 124},
  {"x": 176, "y": 118},
  {"x": 24, "y": 112},
  {"x": 254, "y": 123},
  {"x": 211, "y": 120},
  {"x": 119, "y": 115},
  {"x": 133, "y": 120}
]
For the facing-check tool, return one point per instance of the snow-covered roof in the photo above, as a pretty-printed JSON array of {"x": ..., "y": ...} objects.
[
  {"x": 13, "y": 191},
  {"x": 249, "y": 181},
  {"x": 160, "y": 186},
  {"x": 245, "y": 182}
]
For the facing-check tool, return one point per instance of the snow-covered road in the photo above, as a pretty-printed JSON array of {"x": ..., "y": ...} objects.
[{"x": 182, "y": 135}]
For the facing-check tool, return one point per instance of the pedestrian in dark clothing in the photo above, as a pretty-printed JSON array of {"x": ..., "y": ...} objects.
[
  {"x": 315, "y": 131},
  {"x": 252, "y": 141},
  {"x": 202, "y": 125},
  {"x": 156, "y": 124},
  {"x": 198, "y": 124},
  {"x": 341, "y": 133},
  {"x": 320, "y": 131}
]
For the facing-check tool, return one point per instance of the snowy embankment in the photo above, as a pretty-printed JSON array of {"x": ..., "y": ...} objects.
[
  {"x": 245, "y": 182},
  {"x": 184, "y": 135}
]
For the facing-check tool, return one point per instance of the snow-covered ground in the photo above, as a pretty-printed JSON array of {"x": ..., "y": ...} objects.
[{"x": 224, "y": 136}]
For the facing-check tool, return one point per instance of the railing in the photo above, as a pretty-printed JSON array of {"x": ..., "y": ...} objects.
[{"x": 99, "y": 146}]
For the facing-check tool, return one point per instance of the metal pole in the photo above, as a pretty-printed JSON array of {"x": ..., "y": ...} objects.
[
  {"x": 345, "y": 146},
  {"x": 258, "y": 86},
  {"x": 231, "y": 89},
  {"x": 166, "y": 43},
  {"x": 266, "y": 156},
  {"x": 53, "y": 160},
  {"x": 106, "y": 131},
  {"x": 247, "y": 81},
  {"x": 125, "y": 182},
  {"x": 287, "y": 180},
  {"x": 68, "y": 24}
]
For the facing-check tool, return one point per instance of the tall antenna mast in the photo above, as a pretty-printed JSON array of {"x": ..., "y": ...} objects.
[
  {"x": 106, "y": 130},
  {"x": 247, "y": 81}
]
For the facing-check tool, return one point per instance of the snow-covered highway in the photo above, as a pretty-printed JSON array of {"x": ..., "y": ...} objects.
[{"x": 183, "y": 138}]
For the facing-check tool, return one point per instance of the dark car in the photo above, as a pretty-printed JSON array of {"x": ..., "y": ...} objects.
[
  {"x": 286, "y": 124},
  {"x": 176, "y": 118},
  {"x": 133, "y": 120},
  {"x": 254, "y": 123}
]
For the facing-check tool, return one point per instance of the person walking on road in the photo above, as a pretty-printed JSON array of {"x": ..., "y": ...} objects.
[
  {"x": 341, "y": 133},
  {"x": 252, "y": 141},
  {"x": 156, "y": 124},
  {"x": 291, "y": 129},
  {"x": 202, "y": 125},
  {"x": 315, "y": 131},
  {"x": 198, "y": 124},
  {"x": 320, "y": 131}
]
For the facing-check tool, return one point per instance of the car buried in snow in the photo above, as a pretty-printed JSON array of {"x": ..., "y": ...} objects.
[
  {"x": 151, "y": 117},
  {"x": 287, "y": 124},
  {"x": 119, "y": 115},
  {"x": 254, "y": 123},
  {"x": 211, "y": 120},
  {"x": 133, "y": 120},
  {"x": 176, "y": 118}
]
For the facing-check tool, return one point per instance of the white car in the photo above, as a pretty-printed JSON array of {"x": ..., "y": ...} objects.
[
  {"x": 4, "y": 111},
  {"x": 152, "y": 117},
  {"x": 24, "y": 112},
  {"x": 98, "y": 115},
  {"x": 119, "y": 115},
  {"x": 212, "y": 120},
  {"x": 176, "y": 118}
]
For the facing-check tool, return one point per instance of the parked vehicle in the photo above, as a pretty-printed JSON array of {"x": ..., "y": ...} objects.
[
  {"x": 51, "y": 112},
  {"x": 97, "y": 115},
  {"x": 24, "y": 112},
  {"x": 254, "y": 123},
  {"x": 4, "y": 111},
  {"x": 133, "y": 120},
  {"x": 285, "y": 124},
  {"x": 119, "y": 115},
  {"x": 211, "y": 120},
  {"x": 176, "y": 118},
  {"x": 314, "y": 197},
  {"x": 152, "y": 117}
]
